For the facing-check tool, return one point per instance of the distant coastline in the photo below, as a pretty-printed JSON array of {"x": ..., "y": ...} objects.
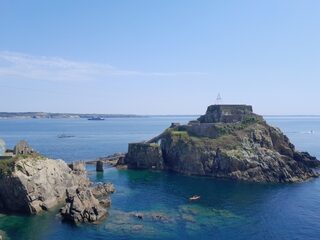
[
  {"x": 44, "y": 115},
  {"x": 48, "y": 115}
]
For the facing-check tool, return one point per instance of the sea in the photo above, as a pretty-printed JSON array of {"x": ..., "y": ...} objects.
[{"x": 227, "y": 209}]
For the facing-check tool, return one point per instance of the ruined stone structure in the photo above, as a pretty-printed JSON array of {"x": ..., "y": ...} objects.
[
  {"x": 99, "y": 166},
  {"x": 22, "y": 148},
  {"x": 226, "y": 113}
]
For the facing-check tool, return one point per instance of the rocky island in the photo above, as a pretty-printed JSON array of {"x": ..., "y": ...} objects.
[
  {"x": 229, "y": 141},
  {"x": 31, "y": 183}
]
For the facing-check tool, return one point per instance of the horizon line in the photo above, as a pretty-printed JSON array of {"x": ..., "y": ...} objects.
[{"x": 141, "y": 115}]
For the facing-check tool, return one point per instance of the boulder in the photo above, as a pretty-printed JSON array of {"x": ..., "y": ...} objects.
[
  {"x": 87, "y": 204},
  {"x": 82, "y": 206}
]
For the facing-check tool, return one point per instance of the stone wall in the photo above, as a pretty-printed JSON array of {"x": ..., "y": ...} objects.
[
  {"x": 225, "y": 113},
  {"x": 144, "y": 156}
]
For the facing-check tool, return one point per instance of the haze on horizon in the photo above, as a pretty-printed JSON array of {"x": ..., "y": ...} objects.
[{"x": 159, "y": 57}]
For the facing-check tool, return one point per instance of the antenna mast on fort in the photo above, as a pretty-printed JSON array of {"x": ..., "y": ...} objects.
[{"x": 219, "y": 99}]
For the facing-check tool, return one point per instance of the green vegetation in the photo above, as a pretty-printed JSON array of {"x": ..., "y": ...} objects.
[
  {"x": 230, "y": 128},
  {"x": 181, "y": 134},
  {"x": 154, "y": 145},
  {"x": 34, "y": 155},
  {"x": 228, "y": 135},
  {"x": 7, "y": 166},
  {"x": 226, "y": 141},
  {"x": 251, "y": 119}
]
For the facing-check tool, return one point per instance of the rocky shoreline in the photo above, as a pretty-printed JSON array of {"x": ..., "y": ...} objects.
[
  {"x": 229, "y": 141},
  {"x": 31, "y": 183}
]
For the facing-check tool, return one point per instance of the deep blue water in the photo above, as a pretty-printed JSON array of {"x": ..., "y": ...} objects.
[{"x": 227, "y": 209}]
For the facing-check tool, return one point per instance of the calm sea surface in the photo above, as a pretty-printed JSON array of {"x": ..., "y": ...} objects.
[{"x": 227, "y": 209}]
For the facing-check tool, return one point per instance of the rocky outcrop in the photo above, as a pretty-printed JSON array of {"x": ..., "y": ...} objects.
[
  {"x": 30, "y": 184},
  {"x": 229, "y": 141},
  {"x": 37, "y": 184},
  {"x": 87, "y": 204}
]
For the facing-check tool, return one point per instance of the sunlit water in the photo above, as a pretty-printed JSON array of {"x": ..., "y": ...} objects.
[{"x": 227, "y": 209}]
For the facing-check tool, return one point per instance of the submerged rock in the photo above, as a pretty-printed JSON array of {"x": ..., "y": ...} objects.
[{"x": 229, "y": 141}]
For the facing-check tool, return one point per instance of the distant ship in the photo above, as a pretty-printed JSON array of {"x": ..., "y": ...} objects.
[{"x": 96, "y": 119}]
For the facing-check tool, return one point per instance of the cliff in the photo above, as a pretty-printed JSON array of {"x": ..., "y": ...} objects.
[
  {"x": 35, "y": 183},
  {"x": 229, "y": 141},
  {"x": 31, "y": 183}
]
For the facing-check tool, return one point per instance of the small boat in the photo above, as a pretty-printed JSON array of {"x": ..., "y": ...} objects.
[
  {"x": 96, "y": 119},
  {"x": 194, "y": 198},
  {"x": 65, "y": 136}
]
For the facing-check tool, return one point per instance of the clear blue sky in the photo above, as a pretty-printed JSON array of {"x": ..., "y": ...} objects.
[{"x": 159, "y": 56}]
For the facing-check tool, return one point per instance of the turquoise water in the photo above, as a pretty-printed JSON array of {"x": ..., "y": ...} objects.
[{"x": 227, "y": 209}]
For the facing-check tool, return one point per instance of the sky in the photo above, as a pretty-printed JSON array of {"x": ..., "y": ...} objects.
[{"x": 159, "y": 56}]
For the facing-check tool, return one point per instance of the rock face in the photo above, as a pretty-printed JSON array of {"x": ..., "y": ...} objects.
[
  {"x": 85, "y": 204},
  {"x": 229, "y": 141},
  {"x": 31, "y": 183},
  {"x": 37, "y": 184}
]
